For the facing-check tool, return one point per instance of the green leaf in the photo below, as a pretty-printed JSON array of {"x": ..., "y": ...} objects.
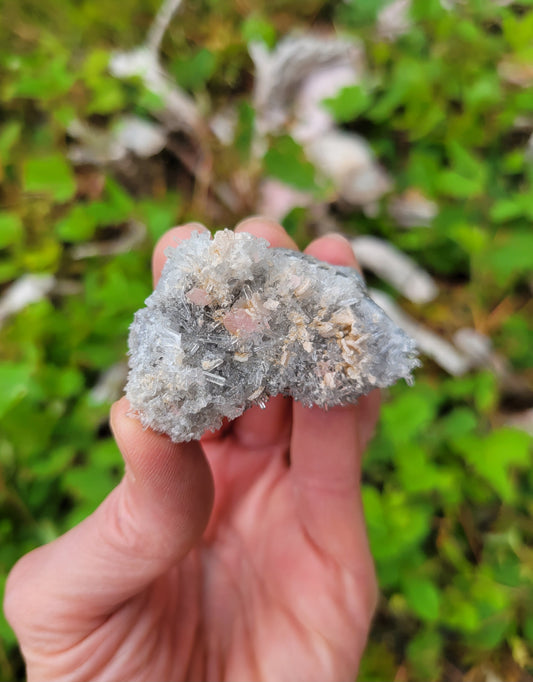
[
  {"x": 418, "y": 475},
  {"x": 116, "y": 206},
  {"x": 10, "y": 229},
  {"x": 395, "y": 525},
  {"x": 44, "y": 77},
  {"x": 64, "y": 115},
  {"x": 409, "y": 415},
  {"x": 427, "y": 9},
  {"x": 95, "y": 66},
  {"x": 78, "y": 225},
  {"x": 424, "y": 654},
  {"x": 471, "y": 238},
  {"x": 244, "y": 134},
  {"x": 518, "y": 30},
  {"x": 423, "y": 597},
  {"x": 88, "y": 484},
  {"x": 193, "y": 72},
  {"x": 285, "y": 160},
  {"x": 42, "y": 257},
  {"x": 378, "y": 663},
  {"x": 484, "y": 92},
  {"x": 507, "y": 572},
  {"x": 467, "y": 177},
  {"x": 160, "y": 214},
  {"x": 255, "y": 28},
  {"x": 460, "y": 422},
  {"x": 360, "y": 13},
  {"x": 55, "y": 463},
  {"x": 61, "y": 382},
  {"x": 107, "y": 94},
  {"x": 107, "y": 97},
  {"x": 9, "y": 135},
  {"x": 528, "y": 629},
  {"x": 105, "y": 454},
  {"x": 491, "y": 633},
  {"x": 485, "y": 391},
  {"x": 8, "y": 270},
  {"x": 349, "y": 103},
  {"x": 510, "y": 255},
  {"x": 150, "y": 101},
  {"x": 505, "y": 210},
  {"x": 50, "y": 175},
  {"x": 493, "y": 457},
  {"x": 295, "y": 223},
  {"x": 517, "y": 338},
  {"x": 7, "y": 636},
  {"x": 459, "y": 612},
  {"x": 14, "y": 380},
  {"x": 457, "y": 186}
]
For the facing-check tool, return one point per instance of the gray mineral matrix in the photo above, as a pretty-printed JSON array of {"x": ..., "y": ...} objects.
[{"x": 233, "y": 322}]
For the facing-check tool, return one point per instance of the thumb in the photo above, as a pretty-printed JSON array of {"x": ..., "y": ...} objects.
[{"x": 149, "y": 522}]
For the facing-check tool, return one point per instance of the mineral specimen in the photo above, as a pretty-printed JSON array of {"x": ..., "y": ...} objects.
[{"x": 233, "y": 322}]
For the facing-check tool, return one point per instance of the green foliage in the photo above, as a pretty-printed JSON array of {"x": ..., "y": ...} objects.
[
  {"x": 244, "y": 133},
  {"x": 424, "y": 653},
  {"x": 447, "y": 483},
  {"x": 360, "y": 13},
  {"x": 257, "y": 28},
  {"x": 350, "y": 102},
  {"x": 15, "y": 379},
  {"x": 10, "y": 228},
  {"x": 160, "y": 214},
  {"x": 193, "y": 72},
  {"x": 50, "y": 175},
  {"x": 511, "y": 255},
  {"x": 285, "y": 161}
]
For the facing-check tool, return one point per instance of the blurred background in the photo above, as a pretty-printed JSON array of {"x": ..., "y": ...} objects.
[{"x": 407, "y": 126}]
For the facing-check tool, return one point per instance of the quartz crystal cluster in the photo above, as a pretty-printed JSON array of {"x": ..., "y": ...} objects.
[{"x": 233, "y": 322}]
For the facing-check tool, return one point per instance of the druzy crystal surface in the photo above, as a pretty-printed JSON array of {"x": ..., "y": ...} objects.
[{"x": 233, "y": 322}]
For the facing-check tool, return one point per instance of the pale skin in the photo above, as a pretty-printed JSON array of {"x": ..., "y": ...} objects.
[{"x": 241, "y": 557}]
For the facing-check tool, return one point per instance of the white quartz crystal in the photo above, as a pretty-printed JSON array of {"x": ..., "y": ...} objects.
[{"x": 233, "y": 322}]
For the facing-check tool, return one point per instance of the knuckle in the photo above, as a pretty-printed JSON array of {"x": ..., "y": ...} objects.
[
  {"x": 134, "y": 532},
  {"x": 122, "y": 529}
]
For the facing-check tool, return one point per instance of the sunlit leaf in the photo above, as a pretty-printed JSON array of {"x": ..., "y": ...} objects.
[
  {"x": 285, "y": 161},
  {"x": 423, "y": 597},
  {"x": 50, "y": 175},
  {"x": 257, "y": 28},
  {"x": 14, "y": 380},
  {"x": 193, "y": 72},
  {"x": 10, "y": 228},
  {"x": 350, "y": 102}
]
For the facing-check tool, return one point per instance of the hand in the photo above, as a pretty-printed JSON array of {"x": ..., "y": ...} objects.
[{"x": 241, "y": 557}]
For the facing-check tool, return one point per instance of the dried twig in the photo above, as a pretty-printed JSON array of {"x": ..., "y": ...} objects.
[
  {"x": 179, "y": 111},
  {"x": 429, "y": 343},
  {"x": 25, "y": 290},
  {"x": 160, "y": 24},
  {"x": 131, "y": 237},
  {"x": 395, "y": 267}
]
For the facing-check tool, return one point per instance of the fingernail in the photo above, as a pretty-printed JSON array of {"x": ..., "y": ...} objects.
[
  {"x": 196, "y": 226},
  {"x": 338, "y": 237},
  {"x": 259, "y": 219}
]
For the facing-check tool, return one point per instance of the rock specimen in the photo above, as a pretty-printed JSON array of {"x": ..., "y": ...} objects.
[{"x": 233, "y": 322}]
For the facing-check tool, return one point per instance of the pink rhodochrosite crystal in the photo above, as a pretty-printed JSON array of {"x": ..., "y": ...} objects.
[{"x": 233, "y": 322}]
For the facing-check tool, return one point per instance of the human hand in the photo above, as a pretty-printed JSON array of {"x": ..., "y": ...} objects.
[{"x": 241, "y": 557}]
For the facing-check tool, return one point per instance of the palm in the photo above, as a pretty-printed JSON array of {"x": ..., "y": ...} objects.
[{"x": 259, "y": 596}]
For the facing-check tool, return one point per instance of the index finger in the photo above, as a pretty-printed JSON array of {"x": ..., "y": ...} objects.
[{"x": 326, "y": 450}]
